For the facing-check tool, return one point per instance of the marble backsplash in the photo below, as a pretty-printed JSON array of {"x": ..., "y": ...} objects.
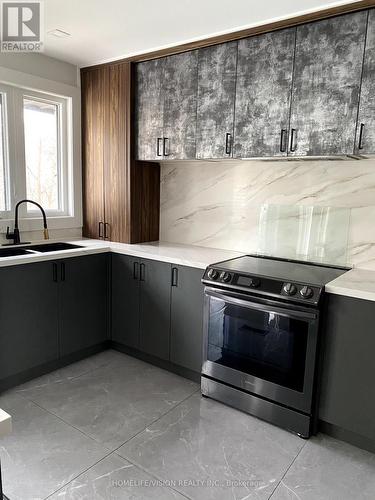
[{"x": 314, "y": 210}]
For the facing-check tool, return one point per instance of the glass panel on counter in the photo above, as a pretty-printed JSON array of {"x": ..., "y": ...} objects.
[{"x": 312, "y": 233}]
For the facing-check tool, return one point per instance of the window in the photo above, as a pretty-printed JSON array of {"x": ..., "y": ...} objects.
[
  {"x": 36, "y": 153},
  {"x": 42, "y": 152}
]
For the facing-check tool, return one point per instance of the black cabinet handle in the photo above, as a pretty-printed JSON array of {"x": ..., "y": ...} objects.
[
  {"x": 360, "y": 141},
  {"x": 101, "y": 227},
  {"x": 174, "y": 276},
  {"x": 283, "y": 140},
  {"x": 54, "y": 272},
  {"x": 142, "y": 275},
  {"x": 228, "y": 144},
  {"x": 135, "y": 270},
  {"x": 166, "y": 146},
  {"x": 158, "y": 144},
  {"x": 62, "y": 271},
  {"x": 107, "y": 231},
  {"x": 292, "y": 137}
]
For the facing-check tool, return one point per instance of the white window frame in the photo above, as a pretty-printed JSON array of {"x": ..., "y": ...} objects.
[
  {"x": 16, "y": 86},
  {"x": 5, "y": 143}
]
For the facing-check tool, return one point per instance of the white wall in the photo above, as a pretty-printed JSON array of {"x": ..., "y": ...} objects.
[{"x": 42, "y": 66}]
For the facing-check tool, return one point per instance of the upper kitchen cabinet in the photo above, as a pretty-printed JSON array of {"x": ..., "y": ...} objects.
[
  {"x": 180, "y": 105},
  {"x": 149, "y": 109},
  {"x": 326, "y": 84},
  {"x": 365, "y": 141},
  {"x": 216, "y": 95},
  {"x": 264, "y": 83},
  {"x": 166, "y": 107}
]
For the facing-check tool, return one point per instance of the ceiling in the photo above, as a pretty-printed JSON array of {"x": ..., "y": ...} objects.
[{"x": 104, "y": 30}]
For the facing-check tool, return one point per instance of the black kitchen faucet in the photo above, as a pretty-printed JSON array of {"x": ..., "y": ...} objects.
[{"x": 15, "y": 236}]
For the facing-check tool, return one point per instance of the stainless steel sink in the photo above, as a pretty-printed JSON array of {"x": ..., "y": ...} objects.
[{"x": 53, "y": 247}]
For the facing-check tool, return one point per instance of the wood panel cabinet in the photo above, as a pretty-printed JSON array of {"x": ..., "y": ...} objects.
[
  {"x": 120, "y": 195},
  {"x": 327, "y": 77},
  {"x": 187, "y": 318},
  {"x": 264, "y": 84},
  {"x": 216, "y": 95},
  {"x": 94, "y": 102},
  {"x": 29, "y": 334},
  {"x": 83, "y": 302},
  {"x": 365, "y": 138}
]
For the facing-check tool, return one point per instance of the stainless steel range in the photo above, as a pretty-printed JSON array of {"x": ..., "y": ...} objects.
[{"x": 261, "y": 333}]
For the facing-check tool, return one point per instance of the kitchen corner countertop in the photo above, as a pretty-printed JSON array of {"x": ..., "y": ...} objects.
[{"x": 357, "y": 283}]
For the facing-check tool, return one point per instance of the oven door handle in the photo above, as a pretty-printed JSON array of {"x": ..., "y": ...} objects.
[{"x": 290, "y": 313}]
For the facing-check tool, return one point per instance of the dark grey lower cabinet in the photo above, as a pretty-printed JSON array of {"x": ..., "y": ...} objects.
[
  {"x": 155, "y": 299},
  {"x": 83, "y": 302},
  {"x": 347, "y": 398},
  {"x": 125, "y": 300},
  {"x": 29, "y": 317},
  {"x": 157, "y": 309},
  {"x": 187, "y": 318}
]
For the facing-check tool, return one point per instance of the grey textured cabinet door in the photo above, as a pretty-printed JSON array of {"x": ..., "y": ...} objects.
[
  {"x": 29, "y": 317},
  {"x": 155, "y": 301},
  {"x": 327, "y": 76},
  {"x": 149, "y": 109},
  {"x": 216, "y": 94},
  {"x": 187, "y": 318},
  {"x": 125, "y": 300},
  {"x": 365, "y": 140},
  {"x": 180, "y": 105},
  {"x": 264, "y": 84},
  {"x": 83, "y": 302},
  {"x": 347, "y": 389}
]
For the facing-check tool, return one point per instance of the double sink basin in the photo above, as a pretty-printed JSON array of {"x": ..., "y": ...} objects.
[{"x": 34, "y": 249}]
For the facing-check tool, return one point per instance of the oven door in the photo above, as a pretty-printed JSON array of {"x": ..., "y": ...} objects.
[{"x": 265, "y": 347}]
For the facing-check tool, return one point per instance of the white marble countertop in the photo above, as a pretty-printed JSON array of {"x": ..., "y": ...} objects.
[
  {"x": 5, "y": 424},
  {"x": 358, "y": 283},
  {"x": 185, "y": 255}
]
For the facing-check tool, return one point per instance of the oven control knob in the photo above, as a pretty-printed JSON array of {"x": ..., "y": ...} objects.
[
  {"x": 255, "y": 282},
  {"x": 226, "y": 277},
  {"x": 290, "y": 289},
  {"x": 306, "y": 292},
  {"x": 213, "y": 274}
]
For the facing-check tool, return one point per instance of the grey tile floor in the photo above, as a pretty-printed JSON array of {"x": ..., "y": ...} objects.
[{"x": 113, "y": 427}]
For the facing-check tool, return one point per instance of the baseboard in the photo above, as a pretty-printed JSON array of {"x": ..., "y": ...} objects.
[
  {"x": 38, "y": 371},
  {"x": 348, "y": 436},
  {"x": 161, "y": 363}
]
